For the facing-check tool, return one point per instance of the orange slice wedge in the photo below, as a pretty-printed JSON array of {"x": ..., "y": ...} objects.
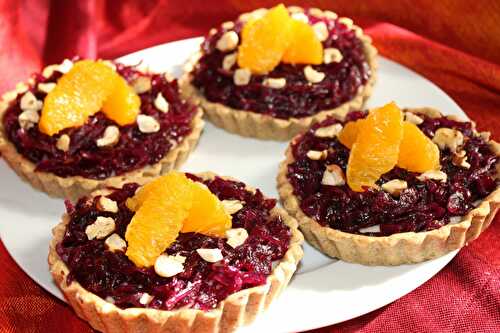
[{"x": 305, "y": 47}]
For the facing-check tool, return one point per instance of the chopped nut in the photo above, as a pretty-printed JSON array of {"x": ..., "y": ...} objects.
[
  {"x": 236, "y": 237},
  {"x": 102, "y": 227},
  {"x": 448, "y": 138},
  {"x": 109, "y": 299},
  {"x": 228, "y": 25},
  {"x": 460, "y": 159},
  {"x": 29, "y": 102},
  {"x": 147, "y": 124},
  {"x": 434, "y": 175},
  {"x": 330, "y": 15},
  {"x": 321, "y": 31},
  {"x": 65, "y": 66},
  {"x": 142, "y": 84},
  {"x": 145, "y": 299},
  {"x": 242, "y": 76},
  {"x": 21, "y": 87},
  {"x": 413, "y": 118},
  {"x": 115, "y": 243},
  {"x": 63, "y": 142},
  {"x": 358, "y": 32},
  {"x": 316, "y": 12},
  {"x": 210, "y": 255},
  {"x": 228, "y": 41},
  {"x": 49, "y": 70},
  {"x": 105, "y": 204},
  {"x": 110, "y": 137},
  {"x": 275, "y": 83},
  {"x": 317, "y": 155},
  {"x": 168, "y": 266},
  {"x": 333, "y": 176},
  {"x": 395, "y": 186},
  {"x": 373, "y": 228},
  {"x": 299, "y": 16},
  {"x": 229, "y": 61},
  {"x": 295, "y": 9},
  {"x": 232, "y": 206},
  {"x": 346, "y": 21},
  {"x": 332, "y": 55},
  {"x": 328, "y": 131},
  {"x": 312, "y": 75},
  {"x": 46, "y": 87},
  {"x": 161, "y": 103},
  {"x": 28, "y": 119},
  {"x": 110, "y": 64},
  {"x": 212, "y": 32}
]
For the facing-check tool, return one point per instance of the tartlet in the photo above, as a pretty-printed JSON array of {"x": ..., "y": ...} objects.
[
  {"x": 392, "y": 225},
  {"x": 263, "y": 110},
  {"x": 79, "y": 164},
  {"x": 224, "y": 295}
]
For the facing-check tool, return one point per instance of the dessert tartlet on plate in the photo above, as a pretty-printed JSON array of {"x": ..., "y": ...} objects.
[
  {"x": 400, "y": 215},
  {"x": 145, "y": 129},
  {"x": 236, "y": 251},
  {"x": 254, "y": 79}
]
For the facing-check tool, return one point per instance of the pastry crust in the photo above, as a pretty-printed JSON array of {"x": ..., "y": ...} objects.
[
  {"x": 236, "y": 310},
  {"x": 251, "y": 124},
  {"x": 396, "y": 249},
  {"x": 77, "y": 186}
]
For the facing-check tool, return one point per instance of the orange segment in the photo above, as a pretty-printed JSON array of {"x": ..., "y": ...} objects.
[
  {"x": 264, "y": 40},
  {"x": 77, "y": 95},
  {"x": 305, "y": 47},
  {"x": 376, "y": 150},
  {"x": 417, "y": 152},
  {"x": 123, "y": 104},
  {"x": 207, "y": 215},
  {"x": 164, "y": 205},
  {"x": 82, "y": 92},
  {"x": 349, "y": 133}
]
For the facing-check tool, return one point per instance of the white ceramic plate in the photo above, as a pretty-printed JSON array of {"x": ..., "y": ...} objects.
[{"x": 324, "y": 291}]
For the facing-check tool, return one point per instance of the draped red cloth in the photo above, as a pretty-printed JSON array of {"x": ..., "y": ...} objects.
[{"x": 454, "y": 43}]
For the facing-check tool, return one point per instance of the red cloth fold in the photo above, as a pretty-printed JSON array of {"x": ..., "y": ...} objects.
[{"x": 454, "y": 43}]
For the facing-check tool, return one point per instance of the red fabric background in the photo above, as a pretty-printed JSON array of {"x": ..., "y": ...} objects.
[{"x": 456, "y": 44}]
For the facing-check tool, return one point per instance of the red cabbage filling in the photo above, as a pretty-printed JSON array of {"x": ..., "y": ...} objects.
[
  {"x": 134, "y": 150},
  {"x": 423, "y": 206},
  {"x": 202, "y": 285},
  {"x": 298, "y": 98}
]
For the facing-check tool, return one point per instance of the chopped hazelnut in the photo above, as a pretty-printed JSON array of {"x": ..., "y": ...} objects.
[
  {"x": 328, "y": 131},
  {"x": 228, "y": 41},
  {"x": 316, "y": 155},
  {"x": 110, "y": 137},
  {"x": 28, "y": 119},
  {"x": 312, "y": 75},
  {"x": 228, "y": 61},
  {"x": 210, "y": 255},
  {"x": 433, "y": 175},
  {"x": 228, "y": 25},
  {"x": 147, "y": 124},
  {"x": 65, "y": 66},
  {"x": 236, "y": 237},
  {"x": 275, "y": 83},
  {"x": 395, "y": 187},
  {"x": 321, "y": 31},
  {"x": 346, "y": 21},
  {"x": 63, "y": 142},
  {"x": 330, "y": 15},
  {"x": 168, "y": 266},
  {"x": 232, "y": 206},
  {"x": 49, "y": 70},
  {"x": 46, "y": 87},
  {"x": 242, "y": 76},
  {"x": 29, "y": 102},
  {"x": 115, "y": 243},
  {"x": 460, "y": 159},
  {"x": 316, "y": 12},
  {"x": 161, "y": 103},
  {"x": 332, "y": 55},
  {"x": 373, "y": 228},
  {"x": 145, "y": 299},
  {"x": 333, "y": 176},
  {"x": 105, "y": 204},
  {"x": 142, "y": 84},
  {"x": 299, "y": 16},
  {"x": 448, "y": 138},
  {"x": 413, "y": 118},
  {"x": 102, "y": 227}
]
